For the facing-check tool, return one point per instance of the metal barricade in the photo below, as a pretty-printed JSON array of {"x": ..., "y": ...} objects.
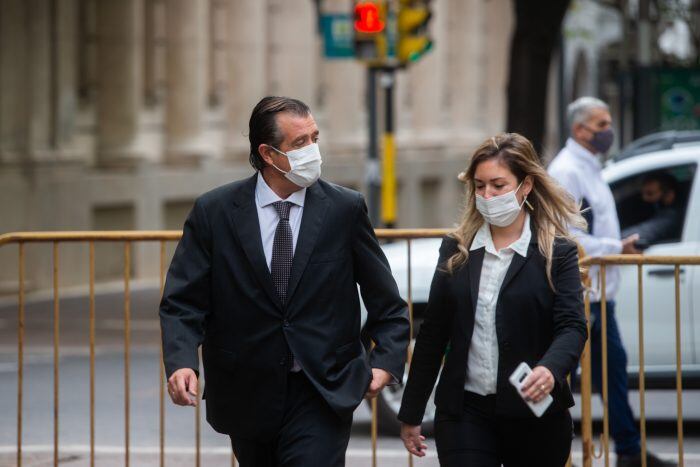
[
  {"x": 586, "y": 387},
  {"x": 56, "y": 238},
  {"x": 21, "y": 239},
  {"x": 162, "y": 237}
]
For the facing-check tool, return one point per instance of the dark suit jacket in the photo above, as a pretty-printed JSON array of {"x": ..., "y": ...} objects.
[
  {"x": 533, "y": 324},
  {"x": 666, "y": 224},
  {"x": 219, "y": 293}
]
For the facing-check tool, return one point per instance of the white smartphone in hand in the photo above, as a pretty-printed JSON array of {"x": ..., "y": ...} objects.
[{"x": 518, "y": 378}]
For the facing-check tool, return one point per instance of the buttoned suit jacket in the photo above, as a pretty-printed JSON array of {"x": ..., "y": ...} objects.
[{"x": 219, "y": 293}]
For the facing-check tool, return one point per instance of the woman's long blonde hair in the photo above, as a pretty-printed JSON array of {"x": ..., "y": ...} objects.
[{"x": 553, "y": 210}]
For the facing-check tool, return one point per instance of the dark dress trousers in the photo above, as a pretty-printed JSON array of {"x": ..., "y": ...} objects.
[
  {"x": 219, "y": 293},
  {"x": 534, "y": 324}
]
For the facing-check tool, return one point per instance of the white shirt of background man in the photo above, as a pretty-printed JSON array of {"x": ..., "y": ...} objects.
[{"x": 579, "y": 171}]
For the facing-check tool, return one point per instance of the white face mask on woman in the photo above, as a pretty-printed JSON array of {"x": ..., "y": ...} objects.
[
  {"x": 304, "y": 165},
  {"x": 501, "y": 210}
]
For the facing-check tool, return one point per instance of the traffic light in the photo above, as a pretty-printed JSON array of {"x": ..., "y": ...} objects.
[
  {"x": 414, "y": 40},
  {"x": 370, "y": 30},
  {"x": 368, "y": 18}
]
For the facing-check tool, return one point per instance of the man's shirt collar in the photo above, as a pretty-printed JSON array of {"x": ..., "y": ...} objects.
[
  {"x": 264, "y": 195},
  {"x": 590, "y": 159}
]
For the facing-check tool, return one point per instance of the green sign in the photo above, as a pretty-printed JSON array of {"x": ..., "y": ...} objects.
[
  {"x": 337, "y": 36},
  {"x": 679, "y": 96}
]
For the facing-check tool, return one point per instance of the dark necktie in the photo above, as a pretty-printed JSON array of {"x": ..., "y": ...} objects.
[{"x": 281, "y": 266}]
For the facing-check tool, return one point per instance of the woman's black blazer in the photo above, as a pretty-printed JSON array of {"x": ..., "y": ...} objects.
[{"x": 534, "y": 324}]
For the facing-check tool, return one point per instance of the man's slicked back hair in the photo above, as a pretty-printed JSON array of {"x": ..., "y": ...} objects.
[{"x": 262, "y": 127}]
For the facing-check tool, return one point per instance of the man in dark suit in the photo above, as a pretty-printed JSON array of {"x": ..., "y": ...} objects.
[{"x": 265, "y": 279}]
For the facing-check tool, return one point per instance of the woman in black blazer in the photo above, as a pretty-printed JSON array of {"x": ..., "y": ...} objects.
[{"x": 507, "y": 289}]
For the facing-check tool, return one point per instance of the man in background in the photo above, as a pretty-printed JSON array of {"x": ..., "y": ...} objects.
[{"x": 578, "y": 168}]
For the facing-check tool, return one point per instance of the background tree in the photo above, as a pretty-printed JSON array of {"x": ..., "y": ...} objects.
[{"x": 536, "y": 35}]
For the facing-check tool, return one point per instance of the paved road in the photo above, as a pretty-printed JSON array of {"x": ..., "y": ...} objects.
[
  {"x": 74, "y": 318},
  {"x": 180, "y": 422},
  {"x": 144, "y": 415}
]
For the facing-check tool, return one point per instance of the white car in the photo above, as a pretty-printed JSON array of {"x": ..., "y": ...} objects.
[{"x": 625, "y": 178}]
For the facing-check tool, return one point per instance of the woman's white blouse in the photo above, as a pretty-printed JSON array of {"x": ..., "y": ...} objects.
[{"x": 482, "y": 363}]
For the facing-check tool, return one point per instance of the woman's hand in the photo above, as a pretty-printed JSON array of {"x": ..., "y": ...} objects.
[
  {"x": 413, "y": 440},
  {"x": 538, "y": 384}
]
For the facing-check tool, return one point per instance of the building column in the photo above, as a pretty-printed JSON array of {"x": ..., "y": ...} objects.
[
  {"x": 29, "y": 78},
  {"x": 344, "y": 106},
  {"x": 66, "y": 78},
  {"x": 120, "y": 81},
  {"x": 426, "y": 80},
  {"x": 41, "y": 78},
  {"x": 466, "y": 77},
  {"x": 342, "y": 97},
  {"x": 292, "y": 49},
  {"x": 186, "y": 77},
  {"x": 14, "y": 78},
  {"x": 248, "y": 71},
  {"x": 497, "y": 29}
]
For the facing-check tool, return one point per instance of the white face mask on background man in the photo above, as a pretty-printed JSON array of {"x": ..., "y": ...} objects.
[
  {"x": 501, "y": 210},
  {"x": 304, "y": 165}
]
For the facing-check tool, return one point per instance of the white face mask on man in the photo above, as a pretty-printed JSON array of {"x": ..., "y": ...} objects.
[
  {"x": 501, "y": 210},
  {"x": 304, "y": 165}
]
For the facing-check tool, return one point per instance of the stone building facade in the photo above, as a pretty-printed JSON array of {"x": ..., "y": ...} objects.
[{"x": 116, "y": 114}]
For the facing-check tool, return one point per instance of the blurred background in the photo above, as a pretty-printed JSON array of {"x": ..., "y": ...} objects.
[{"x": 116, "y": 114}]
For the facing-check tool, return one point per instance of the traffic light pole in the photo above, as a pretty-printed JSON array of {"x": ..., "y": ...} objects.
[
  {"x": 372, "y": 173},
  {"x": 388, "y": 35},
  {"x": 388, "y": 153}
]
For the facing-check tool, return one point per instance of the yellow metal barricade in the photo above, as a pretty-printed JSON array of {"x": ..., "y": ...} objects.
[
  {"x": 586, "y": 419},
  {"x": 89, "y": 238}
]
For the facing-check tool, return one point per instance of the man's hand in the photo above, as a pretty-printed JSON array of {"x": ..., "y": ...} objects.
[
  {"x": 182, "y": 387},
  {"x": 413, "y": 440},
  {"x": 380, "y": 378},
  {"x": 628, "y": 247}
]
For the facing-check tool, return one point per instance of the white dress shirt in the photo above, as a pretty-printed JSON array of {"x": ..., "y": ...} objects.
[
  {"x": 482, "y": 363},
  {"x": 268, "y": 217},
  {"x": 580, "y": 172}
]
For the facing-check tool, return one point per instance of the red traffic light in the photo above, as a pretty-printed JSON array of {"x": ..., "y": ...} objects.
[{"x": 367, "y": 18}]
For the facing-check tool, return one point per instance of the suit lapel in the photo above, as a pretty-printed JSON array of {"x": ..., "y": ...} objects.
[
  {"x": 474, "y": 263},
  {"x": 515, "y": 265},
  {"x": 244, "y": 219},
  {"x": 315, "y": 206},
  {"x": 518, "y": 261}
]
